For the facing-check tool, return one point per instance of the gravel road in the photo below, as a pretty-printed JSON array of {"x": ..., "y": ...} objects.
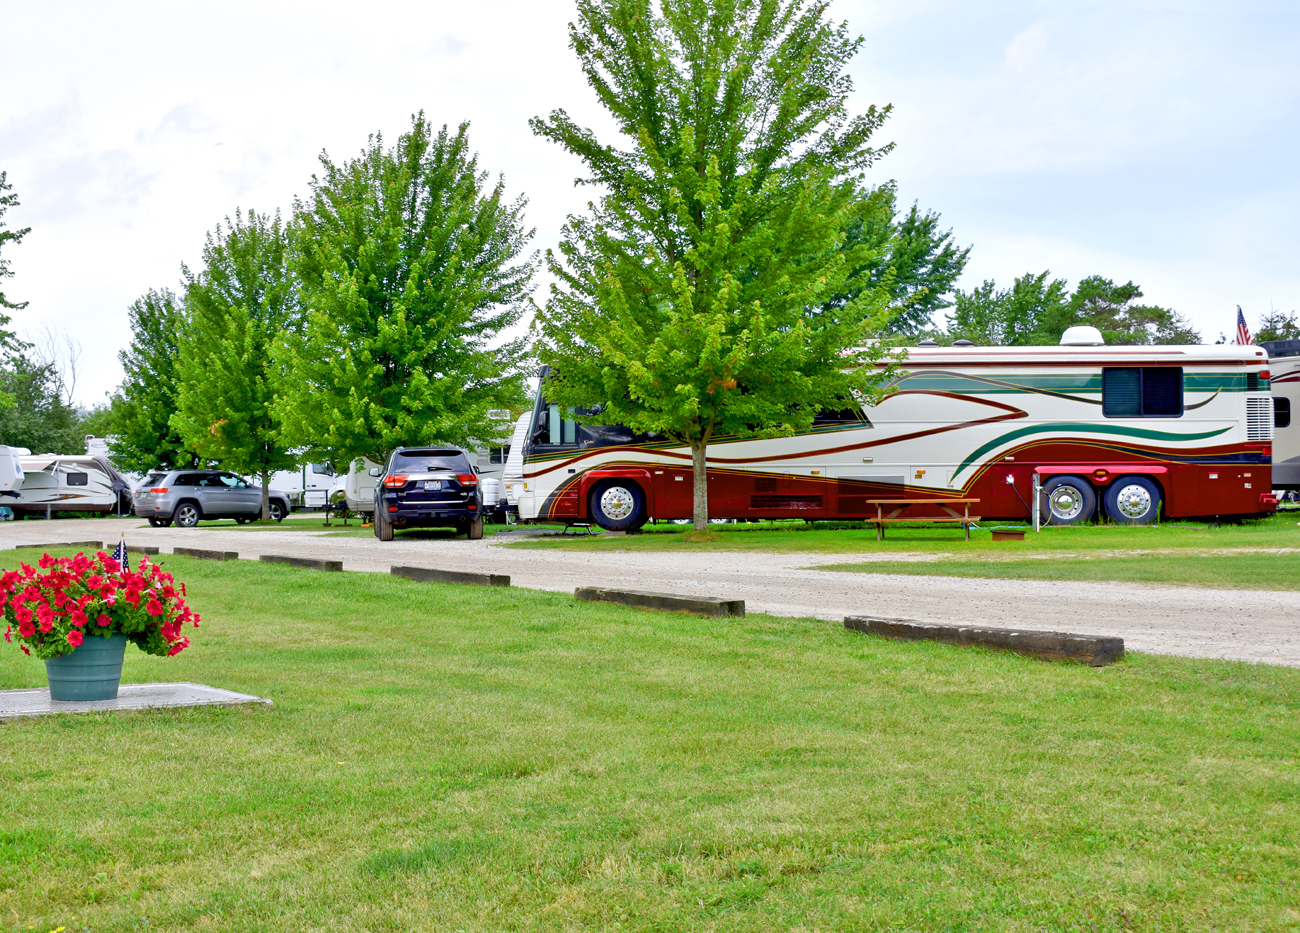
[{"x": 1247, "y": 625}]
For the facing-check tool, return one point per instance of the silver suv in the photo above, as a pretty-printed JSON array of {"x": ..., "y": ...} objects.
[{"x": 190, "y": 496}]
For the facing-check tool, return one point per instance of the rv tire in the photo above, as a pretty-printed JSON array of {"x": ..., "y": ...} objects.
[
  {"x": 617, "y": 505},
  {"x": 1133, "y": 500},
  {"x": 1068, "y": 500}
]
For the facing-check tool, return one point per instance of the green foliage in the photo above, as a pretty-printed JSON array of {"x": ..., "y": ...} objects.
[
  {"x": 1113, "y": 310},
  {"x": 39, "y": 418},
  {"x": 98, "y": 421},
  {"x": 8, "y": 344},
  {"x": 238, "y": 304},
  {"x": 1021, "y": 315},
  {"x": 698, "y": 297},
  {"x": 1278, "y": 325},
  {"x": 915, "y": 261},
  {"x": 143, "y": 437},
  {"x": 1036, "y": 311},
  {"x": 411, "y": 270}
]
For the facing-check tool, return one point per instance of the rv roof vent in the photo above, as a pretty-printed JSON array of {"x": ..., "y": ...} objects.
[
  {"x": 1082, "y": 336},
  {"x": 927, "y": 342},
  {"x": 962, "y": 343}
]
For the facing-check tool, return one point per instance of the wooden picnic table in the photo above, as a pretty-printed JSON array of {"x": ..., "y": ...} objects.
[{"x": 900, "y": 505}]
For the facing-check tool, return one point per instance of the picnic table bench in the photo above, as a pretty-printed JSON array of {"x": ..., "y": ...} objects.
[{"x": 899, "y": 506}]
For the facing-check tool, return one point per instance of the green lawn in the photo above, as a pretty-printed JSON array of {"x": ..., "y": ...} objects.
[
  {"x": 457, "y": 758},
  {"x": 1277, "y": 531},
  {"x": 1169, "y": 568}
]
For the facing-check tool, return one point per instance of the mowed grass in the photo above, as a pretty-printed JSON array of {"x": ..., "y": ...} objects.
[
  {"x": 1281, "y": 530},
  {"x": 1212, "y": 571},
  {"x": 457, "y": 758}
]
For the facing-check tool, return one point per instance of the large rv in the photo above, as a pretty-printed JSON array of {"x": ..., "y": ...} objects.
[
  {"x": 1284, "y": 367},
  {"x": 1129, "y": 432}
]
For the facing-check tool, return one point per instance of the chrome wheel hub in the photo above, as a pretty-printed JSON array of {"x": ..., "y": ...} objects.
[
  {"x": 617, "y": 503},
  {"x": 1134, "y": 501},
  {"x": 1065, "y": 502}
]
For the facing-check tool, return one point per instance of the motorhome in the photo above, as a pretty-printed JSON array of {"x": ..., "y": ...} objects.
[
  {"x": 1129, "y": 432},
  {"x": 1284, "y": 372},
  {"x": 70, "y": 483}
]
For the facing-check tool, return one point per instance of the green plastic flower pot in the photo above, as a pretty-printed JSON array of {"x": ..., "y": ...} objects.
[{"x": 91, "y": 672}]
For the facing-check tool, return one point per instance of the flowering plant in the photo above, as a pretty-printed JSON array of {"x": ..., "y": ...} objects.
[{"x": 81, "y": 597}]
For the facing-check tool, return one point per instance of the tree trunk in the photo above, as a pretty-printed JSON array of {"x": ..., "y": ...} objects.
[
  {"x": 266, "y": 496},
  {"x": 699, "y": 466}
]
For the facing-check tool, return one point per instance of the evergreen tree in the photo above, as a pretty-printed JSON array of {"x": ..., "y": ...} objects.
[
  {"x": 411, "y": 268},
  {"x": 709, "y": 291},
  {"x": 143, "y": 437},
  {"x": 1278, "y": 325},
  {"x": 1113, "y": 310},
  {"x": 237, "y": 306}
]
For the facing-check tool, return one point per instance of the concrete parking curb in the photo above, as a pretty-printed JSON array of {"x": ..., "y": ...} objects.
[
  {"x": 53, "y": 544},
  {"x": 310, "y": 563},
  {"x": 201, "y": 554},
  {"x": 426, "y": 575},
  {"x": 1093, "y": 650},
  {"x": 668, "y": 602}
]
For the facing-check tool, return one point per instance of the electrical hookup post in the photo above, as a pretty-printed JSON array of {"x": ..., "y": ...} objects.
[{"x": 1037, "y": 500}]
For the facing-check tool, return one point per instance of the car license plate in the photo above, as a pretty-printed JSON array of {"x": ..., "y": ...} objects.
[{"x": 433, "y": 484}]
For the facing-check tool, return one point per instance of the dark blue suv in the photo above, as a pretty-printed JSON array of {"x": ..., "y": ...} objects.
[{"x": 427, "y": 487}]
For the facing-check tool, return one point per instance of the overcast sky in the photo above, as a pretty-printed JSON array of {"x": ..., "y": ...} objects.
[{"x": 1156, "y": 142}]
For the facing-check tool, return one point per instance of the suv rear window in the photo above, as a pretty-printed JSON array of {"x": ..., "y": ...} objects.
[
  {"x": 428, "y": 461},
  {"x": 154, "y": 479}
]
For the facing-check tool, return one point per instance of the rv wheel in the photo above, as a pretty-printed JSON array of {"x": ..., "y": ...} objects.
[
  {"x": 1133, "y": 500},
  {"x": 617, "y": 505},
  {"x": 1068, "y": 500}
]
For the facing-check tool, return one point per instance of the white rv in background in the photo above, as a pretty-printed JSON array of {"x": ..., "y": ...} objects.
[
  {"x": 307, "y": 487},
  {"x": 62, "y": 483},
  {"x": 1284, "y": 370},
  {"x": 355, "y": 489},
  {"x": 11, "y": 471}
]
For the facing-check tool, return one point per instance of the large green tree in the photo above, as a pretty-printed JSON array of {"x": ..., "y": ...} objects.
[
  {"x": 10, "y": 345},
  {"x": 143, "y": 436},
  {"x": 39, "y": 418},
  {"x": 697, "y": 297},
  {"x": 1115, "y": 311},
  {"x": 911, "y": 258},
  {"x": 1021, "y": 315},
  {"x": 237, "y": 305},
  {"x": 411, "y": 265}
]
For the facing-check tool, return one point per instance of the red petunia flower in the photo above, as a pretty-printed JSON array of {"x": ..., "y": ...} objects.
[{"x": 75, "y": 638}]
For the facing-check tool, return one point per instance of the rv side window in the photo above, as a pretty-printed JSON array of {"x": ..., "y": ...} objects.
[
  {"x": 1281, "y": 413},
  {"x": 1142, "y": 392},
  {"x": 498, "y": 454},
  {"x": 78, "y": 479}
]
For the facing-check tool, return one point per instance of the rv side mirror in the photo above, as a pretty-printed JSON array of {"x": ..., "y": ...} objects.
[{"x": 375, "y": 471}]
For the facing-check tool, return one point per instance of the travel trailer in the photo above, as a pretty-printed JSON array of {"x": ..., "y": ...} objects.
[
  {"x": 307, "y": 487},
  {"x": 70, "y": 483},
  {"x": 1129, "y": 432},
  {"x": 1284, "y": 371},
  {"x": 11, "y": 471},
  {"x": 355, "y": 489}
]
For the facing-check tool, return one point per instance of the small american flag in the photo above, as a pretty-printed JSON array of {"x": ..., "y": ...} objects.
[
  {"x": 1243, "y": 332},
  {"x": 119, "y": 552}
]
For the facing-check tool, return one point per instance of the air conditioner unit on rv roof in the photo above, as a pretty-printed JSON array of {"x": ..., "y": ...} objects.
[{"x": 1082, "y": 336}]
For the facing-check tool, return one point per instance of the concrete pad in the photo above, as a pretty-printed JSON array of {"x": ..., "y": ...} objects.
[
  {"x": 1094, "y": 650},
  {"x": 311, "y": 563},
  {"x": 428, "y": 575},
  {"x": 668, "y": 602},
  {"x": 19, "y": 704},
  {"x": 204, "y": 554}
]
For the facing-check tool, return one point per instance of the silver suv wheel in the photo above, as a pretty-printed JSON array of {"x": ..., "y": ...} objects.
[{"x": 187, "y": 515}]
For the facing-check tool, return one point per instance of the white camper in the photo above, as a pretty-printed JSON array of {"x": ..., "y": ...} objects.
[
  {"x": 11, "y": 471},
  {"x": 307, "y": 487},
  {"x": 355, "y": 489},
  {"x": 1284, "y": 367},
  {"x": 61, "y": 483}
]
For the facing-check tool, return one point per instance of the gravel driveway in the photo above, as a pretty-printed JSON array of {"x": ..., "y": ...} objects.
[{"x": 1248, "y": 625}]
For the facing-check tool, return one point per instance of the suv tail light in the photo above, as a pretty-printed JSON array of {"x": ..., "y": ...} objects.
[
  {"x": 467, "y": 479},
  {"x": 395, "y": 482},
  {"x": 159, "y": 489}
]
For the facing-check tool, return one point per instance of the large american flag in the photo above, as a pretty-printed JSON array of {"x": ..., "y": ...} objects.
[{"x": 1243, "y": 332}]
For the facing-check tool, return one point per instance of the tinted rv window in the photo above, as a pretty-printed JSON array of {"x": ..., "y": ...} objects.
[
  {"x": 78, "y": 479},
  {"x": 1142, "y": 392},
  {"x": 1281, "y": 413}
]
